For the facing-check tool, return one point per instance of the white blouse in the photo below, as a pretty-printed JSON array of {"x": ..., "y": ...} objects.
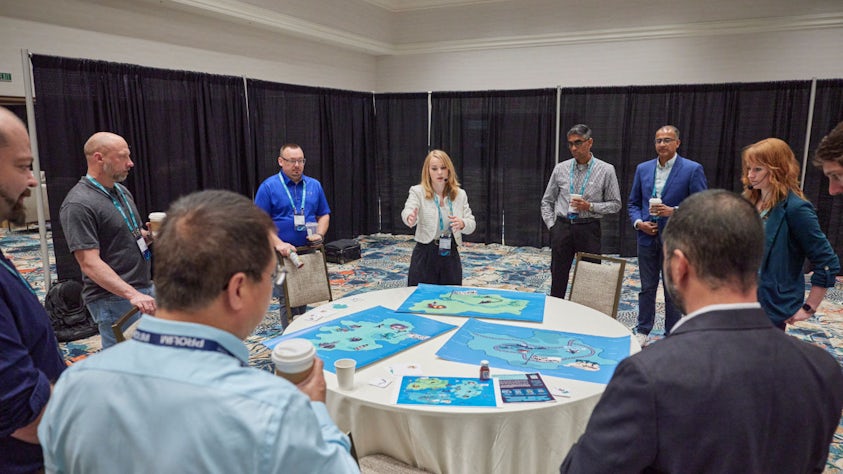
[{"x": 427, "y": 222}]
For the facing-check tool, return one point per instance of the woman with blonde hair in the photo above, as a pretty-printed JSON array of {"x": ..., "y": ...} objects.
[
  {"x": 771, "y": 183},
  {"x": 438, "y": 209}
]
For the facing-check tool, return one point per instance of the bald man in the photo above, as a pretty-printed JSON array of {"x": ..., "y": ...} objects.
[
  {"x": 105, "y": 233},
  {"x": 30, "y": 361}
]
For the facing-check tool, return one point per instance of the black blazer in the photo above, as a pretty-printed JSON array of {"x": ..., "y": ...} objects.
[{"x": 725, "y": 392}]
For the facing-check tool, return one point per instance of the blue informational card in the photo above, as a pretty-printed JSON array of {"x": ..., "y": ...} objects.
[
  {"x": 475, "y": 302},
  {"x": 552, "y": 353},
  {"x": 366, "y": 336},
  {"x": 446, "y": 391},
  {"x": 520, "y": 388}
]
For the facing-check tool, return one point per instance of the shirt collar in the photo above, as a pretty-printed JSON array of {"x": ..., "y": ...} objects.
[
  {"x": 714, "y": 307},
  {"x": 668, "y": 164}
]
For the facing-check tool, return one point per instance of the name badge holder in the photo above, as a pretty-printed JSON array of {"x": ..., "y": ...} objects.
[
  {"x": 298, "y": 221},
  {"x": 445, "y": 245}
]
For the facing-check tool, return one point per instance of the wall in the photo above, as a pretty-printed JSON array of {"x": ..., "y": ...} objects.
[
  {"x": 770, "y": 56},
  {"x": 256, "y": 54}
]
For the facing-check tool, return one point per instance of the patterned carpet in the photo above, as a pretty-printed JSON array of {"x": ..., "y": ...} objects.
[{"x": 384, "y": 265}]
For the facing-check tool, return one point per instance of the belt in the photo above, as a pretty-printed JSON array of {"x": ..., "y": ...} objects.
[{"x": 584, "y": 220}]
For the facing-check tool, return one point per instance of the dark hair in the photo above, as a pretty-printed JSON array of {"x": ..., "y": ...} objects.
[
  {"x": 580, "y": 129},
  {"x": 206, "y": 238},
  {"x": 831, "y": 147},
  {"x": 721, "y": 235}
]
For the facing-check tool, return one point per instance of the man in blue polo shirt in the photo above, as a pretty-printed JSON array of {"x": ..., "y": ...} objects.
[
  {"x": 30, "y": 361},
  {"x": 294, "y": 202},
  {"x": 180, "y": 396}
]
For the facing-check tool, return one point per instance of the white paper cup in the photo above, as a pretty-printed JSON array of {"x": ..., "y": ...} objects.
[
  {"x": 345, "y": 373},
  {"x": 293, "y": 359},
  {"x": 654, "y": 202},
  {"x": 155, "y": 220}
]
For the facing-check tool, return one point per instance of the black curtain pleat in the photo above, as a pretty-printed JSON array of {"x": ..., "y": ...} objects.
[
  {"x": 336, "y": 132},
  {"x": 828, "y": 112},
  {"x": 186, "y": 130},
  {"x": 502, "y": 145},
  {"x": 401, "y": 128}
]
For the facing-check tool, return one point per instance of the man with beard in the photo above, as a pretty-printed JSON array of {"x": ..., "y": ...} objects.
[
  {"x": 726, "y": 391},
  {"x": 103, "y": 229},
  {"x": 30, "y": 361}
]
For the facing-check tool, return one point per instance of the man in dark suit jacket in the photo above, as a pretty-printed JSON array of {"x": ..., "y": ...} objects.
[
  {"x": 668, "y": 179},
  {"x": 726, "y": 391}
]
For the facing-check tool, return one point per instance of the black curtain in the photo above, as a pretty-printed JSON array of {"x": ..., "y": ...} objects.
[
  {"x": 715, "y": 122},
  {"x": 187, "y": 131},
  {"x": 402, "y": 131},
  {"x": 502, "y": 145},
  {"x": 336, "y": 132},
  {"x": 828, "y": 112}
]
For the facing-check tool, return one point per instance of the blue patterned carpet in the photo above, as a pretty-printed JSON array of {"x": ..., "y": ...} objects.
[{"x": 384, "y": 265}]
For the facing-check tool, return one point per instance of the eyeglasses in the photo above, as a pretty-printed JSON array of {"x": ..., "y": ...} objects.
[
  {"x": 295, "y": 162},
  {"x": 280, "y": 273},
  {"x": 666, "y": 141},
  {"x": 577, "y": 143}
]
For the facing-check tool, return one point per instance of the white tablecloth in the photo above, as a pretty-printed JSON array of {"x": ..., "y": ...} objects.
[{"x": 515, "y": 438}]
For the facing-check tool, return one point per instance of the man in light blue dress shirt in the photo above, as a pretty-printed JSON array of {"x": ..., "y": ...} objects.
[{"x": 180, "y": 396}]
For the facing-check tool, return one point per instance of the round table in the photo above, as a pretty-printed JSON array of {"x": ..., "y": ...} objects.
[{"x": 516, "y": 437}]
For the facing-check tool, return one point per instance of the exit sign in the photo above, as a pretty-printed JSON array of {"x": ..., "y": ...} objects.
[{"x": 5, "y": 77}]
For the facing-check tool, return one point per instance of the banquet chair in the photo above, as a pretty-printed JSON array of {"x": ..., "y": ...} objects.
[
  {"x": 308, "y": 284},
  {"x": 597, "y": 282},
  {"x": 123, "y": 334}
]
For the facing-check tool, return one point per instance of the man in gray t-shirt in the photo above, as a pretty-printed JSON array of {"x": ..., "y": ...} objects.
[{"x": 105, "y": 233}]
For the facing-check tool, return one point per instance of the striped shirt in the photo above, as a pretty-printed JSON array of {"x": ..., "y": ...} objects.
[{"x": 601, "y": 190}]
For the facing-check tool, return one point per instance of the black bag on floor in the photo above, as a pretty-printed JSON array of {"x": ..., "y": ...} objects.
[
  {"x": 342, "y": 251},
  {"x": 68, "y": 314}
]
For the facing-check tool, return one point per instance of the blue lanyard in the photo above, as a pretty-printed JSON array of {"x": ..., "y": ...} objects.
[
  {"x": 16, "y": 273},
  {"x": 439, "y": 210},
  {"x": 133, "y": 226},
  {"x": 182, "y": 342},
  {"x": 585, "y": 181},
  {"x": 303, "y": 192},
  {"x": 657, "y": 194}
]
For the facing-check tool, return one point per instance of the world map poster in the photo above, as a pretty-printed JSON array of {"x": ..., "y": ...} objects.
[
  {"x": 446, "y": 391},
  {"x": 552, "y": 353},
  {"x": 475, "y": 302},
  {"x": 366, "y": 336}
]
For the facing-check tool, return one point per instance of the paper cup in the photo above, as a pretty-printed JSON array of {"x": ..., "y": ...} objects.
[
  {"x": 155, "y": 220},
  {"x": 654, "y": 202},
  {"x": 293, "y": 359},
  {"x": 345, "y": 373}
]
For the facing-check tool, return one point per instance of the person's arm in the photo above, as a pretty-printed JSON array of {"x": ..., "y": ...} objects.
[
  {"x": 282, "y": 247},
  {"x": 548, "y": 205},
  {"x": 611, "y": 195},
  {"x": 698, "y": 182},
  {"x": 97, "y": 270},
  {"x": 411, "y": 208},
  {"x": 29, "y": 433},
  {"x": 467, "y": 221},
  {"x": 634, "y": 206},
  {"x": 621, "y": 436}
]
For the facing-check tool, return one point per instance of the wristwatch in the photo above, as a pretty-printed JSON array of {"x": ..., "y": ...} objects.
[{"x": 808, "y": 309}]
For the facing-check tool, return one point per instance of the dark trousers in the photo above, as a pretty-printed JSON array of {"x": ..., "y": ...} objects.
[
  {"x": 650, "y": 259},
  {"x": 427, "y": 266},
  {"x": 566, "y": 239}
]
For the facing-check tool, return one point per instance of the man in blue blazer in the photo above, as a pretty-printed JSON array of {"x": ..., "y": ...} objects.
[
  {"x": 726, "y": 391},
  {"x": 665, "y": 182}
]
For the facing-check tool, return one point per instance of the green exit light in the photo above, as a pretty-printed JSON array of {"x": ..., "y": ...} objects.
[{"x": 5, "y": 76}]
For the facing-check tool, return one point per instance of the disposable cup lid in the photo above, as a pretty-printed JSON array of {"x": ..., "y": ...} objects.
[
  {"x": 293, "y": 355},
  {"x": 157, "y": 216}
]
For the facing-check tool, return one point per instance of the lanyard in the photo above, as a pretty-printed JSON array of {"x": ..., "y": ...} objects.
[
  {"x": 134, "y": 227},
  {"x": 182, "y": 342},
  {"x": 303, "y": 192},
  {"x": 585, "y": 181},
  {"x": 16, "y": 273},
  {"x": 439, "y": 210}
]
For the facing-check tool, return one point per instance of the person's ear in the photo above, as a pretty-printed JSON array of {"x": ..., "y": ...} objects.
[
  {"x": 235, "y": 291},
  {"x": 679, "y": 268}
]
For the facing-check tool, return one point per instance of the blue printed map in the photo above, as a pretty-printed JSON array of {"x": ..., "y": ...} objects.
[
  {"x": 366, "y": 336},
  {"x": 475, "y": 302},
  {"x": 553, "y": 353},
  {"x": 446, "y": 391}
]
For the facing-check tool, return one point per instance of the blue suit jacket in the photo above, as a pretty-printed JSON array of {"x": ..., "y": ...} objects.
[
  {"x": 685, "y": 178},
  {"x": 792, "y": 233}
]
